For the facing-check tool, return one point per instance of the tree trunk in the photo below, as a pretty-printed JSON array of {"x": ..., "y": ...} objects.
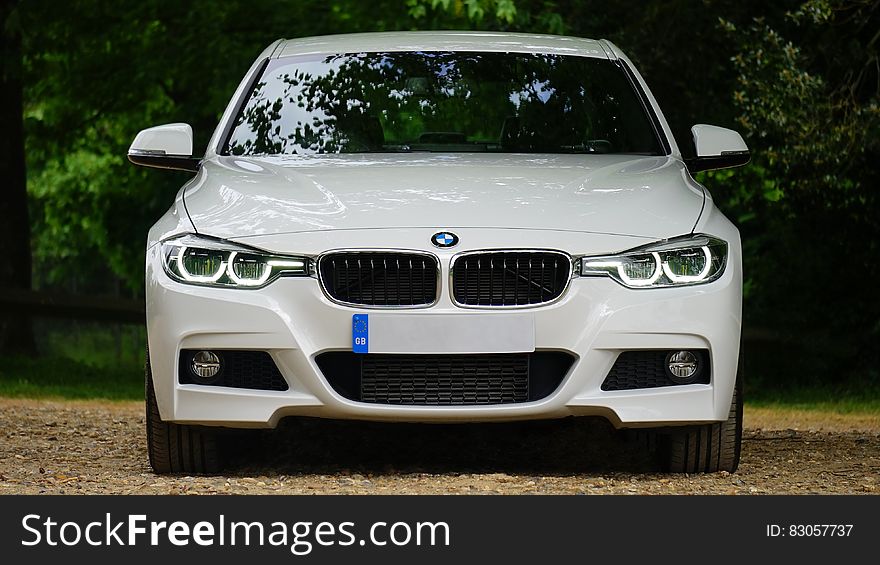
[{"x": 16, "y": 333}]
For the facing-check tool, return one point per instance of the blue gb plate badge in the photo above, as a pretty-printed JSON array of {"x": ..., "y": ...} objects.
[{"x": 360, "y": 333}]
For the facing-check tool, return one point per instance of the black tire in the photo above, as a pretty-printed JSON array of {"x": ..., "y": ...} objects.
[
  {"x": 708, "y": 448},
  {"x": 177, "y": 448}
]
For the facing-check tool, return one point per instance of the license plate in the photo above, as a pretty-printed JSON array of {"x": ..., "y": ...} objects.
[
  {"x": 360, "y": 333},
  {"x": 443, "y": 333}
]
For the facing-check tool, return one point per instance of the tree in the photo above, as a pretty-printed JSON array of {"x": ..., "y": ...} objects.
[
  {"x": 808, "y": 97},
  {"x": 16, "y": 335}
]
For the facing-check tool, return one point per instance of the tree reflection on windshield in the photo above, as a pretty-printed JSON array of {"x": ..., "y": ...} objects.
[{"x": 442, "y": 101}]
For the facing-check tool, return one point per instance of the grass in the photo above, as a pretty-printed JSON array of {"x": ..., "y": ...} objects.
[
  {"x": 65, "y": 378},
  {"x": 78, "y": 360},
  {"x": 93, "y": 344},
  {"x": 842, "y": 399}
]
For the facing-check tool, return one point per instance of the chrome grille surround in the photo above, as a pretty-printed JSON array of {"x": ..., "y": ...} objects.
[
  {"x": 561, "y": 285},
  {"x": 365, "y": 255}
]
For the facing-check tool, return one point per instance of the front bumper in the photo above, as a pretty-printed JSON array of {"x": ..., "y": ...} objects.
[{"x": 595, "y": 320}]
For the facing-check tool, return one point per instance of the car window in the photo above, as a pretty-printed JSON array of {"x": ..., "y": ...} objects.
[{"x": 442, "y": 102}]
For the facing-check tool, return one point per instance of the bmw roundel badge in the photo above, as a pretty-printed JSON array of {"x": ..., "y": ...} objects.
[{"x": 444, "y": 239}]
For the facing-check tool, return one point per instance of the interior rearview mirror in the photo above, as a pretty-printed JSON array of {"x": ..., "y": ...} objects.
[
  {"x": 717, "y": 148},
  {"x": 164, "y": 147}
]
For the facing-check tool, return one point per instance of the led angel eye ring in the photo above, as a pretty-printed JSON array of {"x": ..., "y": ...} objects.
[
  {"x": 267, "y": 272},
  {"x": 690, "y": 278},
  {"x": 197, "y": 278},
  {"x": 641, "y": 282}
]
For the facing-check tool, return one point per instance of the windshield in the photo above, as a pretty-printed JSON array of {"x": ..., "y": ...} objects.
[{"x": 442, "y": 102}]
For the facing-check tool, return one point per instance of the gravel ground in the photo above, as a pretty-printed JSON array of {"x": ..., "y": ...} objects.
[{"x": 98, "y": 447}]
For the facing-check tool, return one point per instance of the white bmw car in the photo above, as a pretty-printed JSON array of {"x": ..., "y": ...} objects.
[{"x": 443, "y": 227}]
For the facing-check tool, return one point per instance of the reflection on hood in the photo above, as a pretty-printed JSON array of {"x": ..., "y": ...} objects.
[{"x": 615, "y": 194}]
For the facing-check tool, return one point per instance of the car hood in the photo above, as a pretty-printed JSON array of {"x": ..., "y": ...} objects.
[{"x": 238, "y": 197}]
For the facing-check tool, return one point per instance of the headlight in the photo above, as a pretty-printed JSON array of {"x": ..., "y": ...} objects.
[
  {"x": 201, "y": 260},
  {"x": 693, "y": 259}
]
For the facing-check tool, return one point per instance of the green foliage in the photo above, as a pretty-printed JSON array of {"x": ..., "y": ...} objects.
[
  {"x": 806, "y": 96},
  {"x": 473, "y": 11},
  {"x": 813, "y": 135}
]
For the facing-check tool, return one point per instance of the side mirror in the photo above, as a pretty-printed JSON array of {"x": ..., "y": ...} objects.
[
  {"x": 164, "y": 147},
  {"x": 717, "y": 148}
]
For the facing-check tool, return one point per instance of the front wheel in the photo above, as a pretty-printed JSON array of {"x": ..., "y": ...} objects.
[
  {"x": 708, "y": 448},
  {"x": 177, "y": 448}
]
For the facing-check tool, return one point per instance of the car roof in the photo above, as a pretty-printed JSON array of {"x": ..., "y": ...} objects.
[{"x": 441, "y": 41}]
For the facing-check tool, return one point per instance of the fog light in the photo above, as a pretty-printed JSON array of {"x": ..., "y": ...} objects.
[
  {"x": 683, "y": 366},
  {"x": 205, "y": 365}
]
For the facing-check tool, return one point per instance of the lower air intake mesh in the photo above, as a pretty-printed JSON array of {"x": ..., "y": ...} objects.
[{"x": 444, "y": 380}]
